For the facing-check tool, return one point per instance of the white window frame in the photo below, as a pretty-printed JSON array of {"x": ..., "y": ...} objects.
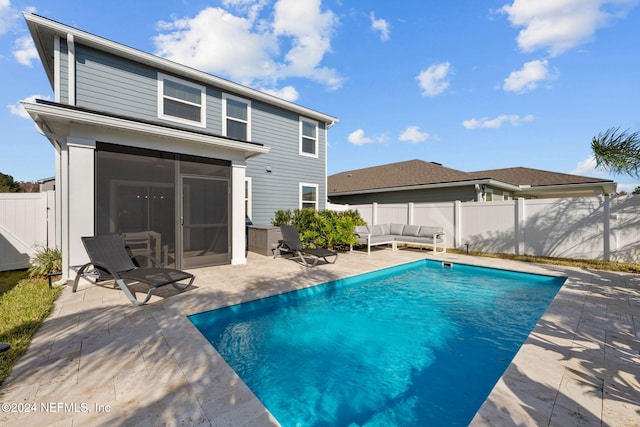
[
  {"x": 226, "y": 96},
  {"x": 248, "y": 197},
  {"x": 304, "y": 153},
  {"x": 300, "y": 193},
  {"x": 203, "y": 101},
  {"x": 488, "y": 196}
]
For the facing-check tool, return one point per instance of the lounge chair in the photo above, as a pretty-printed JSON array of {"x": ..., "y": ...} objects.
[
  {"x": 291, "y": 243},
  {"x": 111, "y": 261}
]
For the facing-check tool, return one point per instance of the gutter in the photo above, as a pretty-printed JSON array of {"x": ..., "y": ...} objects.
[
  {"x": 39, "y": 112},
  {"x": 491, "y": 182}
]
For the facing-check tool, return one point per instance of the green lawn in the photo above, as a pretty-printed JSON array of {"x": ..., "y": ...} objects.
[{"x": 24, "y": 304}]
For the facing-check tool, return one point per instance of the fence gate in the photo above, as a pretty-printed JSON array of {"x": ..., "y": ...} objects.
[{"x": 27, "y": 224}]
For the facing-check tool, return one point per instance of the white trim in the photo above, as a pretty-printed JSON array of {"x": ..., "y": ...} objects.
[
  {"x": 56, "y": 65},
  {"x": 238, "y": 227},
  {"x": 248, "y": 197},
  {"x": 226, "y": 96},
  {"x": 301, "y": 137},
  {"x": 71, "y": 58},
  {"x": 306, "y": 184},
  {"x": 203, "y": 101}
]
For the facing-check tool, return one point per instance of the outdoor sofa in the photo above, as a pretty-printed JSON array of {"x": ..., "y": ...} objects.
[{"x": 401, "y": 234}]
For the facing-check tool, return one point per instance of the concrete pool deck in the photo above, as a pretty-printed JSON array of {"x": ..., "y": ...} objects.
[{"x": 100, "y": 361}]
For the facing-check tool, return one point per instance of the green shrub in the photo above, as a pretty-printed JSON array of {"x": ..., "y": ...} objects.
[
  {"x": 46, "y": 261},
  {"x": 326, "y": 228}
]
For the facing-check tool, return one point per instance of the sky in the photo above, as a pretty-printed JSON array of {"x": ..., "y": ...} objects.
[{"x": 472, "y": 85}]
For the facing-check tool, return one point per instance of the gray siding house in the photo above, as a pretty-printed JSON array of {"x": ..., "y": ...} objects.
[
  {"x": 422, "y": 182},
  {"x": 171, "y": 157}
]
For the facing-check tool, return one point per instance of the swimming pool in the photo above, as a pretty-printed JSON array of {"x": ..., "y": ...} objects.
[{"x": 417, "y": 344}]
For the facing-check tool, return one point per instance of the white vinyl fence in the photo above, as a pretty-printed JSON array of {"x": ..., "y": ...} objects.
[
  {"x": 26, "y": 225},
  {"x": 587, "y": 227}
]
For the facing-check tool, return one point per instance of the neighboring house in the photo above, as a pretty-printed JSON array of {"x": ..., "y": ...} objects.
[
  {"x": 420, "y": 181},
  {"x": 172, "y": 157}
]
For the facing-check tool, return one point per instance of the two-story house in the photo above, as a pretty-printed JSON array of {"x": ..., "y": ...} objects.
[{"x": 171, "y": 157}]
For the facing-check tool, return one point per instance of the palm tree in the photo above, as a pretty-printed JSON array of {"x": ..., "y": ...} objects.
[{"x": 618, "y": 151}]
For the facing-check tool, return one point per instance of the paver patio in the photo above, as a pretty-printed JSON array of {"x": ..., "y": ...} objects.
[{"x": 100, "y": 361}]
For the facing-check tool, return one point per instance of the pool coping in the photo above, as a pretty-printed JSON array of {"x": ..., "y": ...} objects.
[{"x": 151, "y": 366}]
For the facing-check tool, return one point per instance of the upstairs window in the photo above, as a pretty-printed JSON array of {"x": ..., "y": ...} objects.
[
  {"x": 308, "y": 138},
  {"x": 236, "y": 121},
  {"x": 181, "y": 101}
]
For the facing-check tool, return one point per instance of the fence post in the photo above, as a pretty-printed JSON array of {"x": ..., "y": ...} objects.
[
  {"x": 457, "y": 224},
  {"x": 374, "y": 213},
  {"x": 410, "y": 213},
  {"x": 519, "y": 227},
  {"x": 606, "y": 220}
]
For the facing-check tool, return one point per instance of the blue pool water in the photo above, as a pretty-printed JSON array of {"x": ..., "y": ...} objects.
[{"x": 418, "y": 344}]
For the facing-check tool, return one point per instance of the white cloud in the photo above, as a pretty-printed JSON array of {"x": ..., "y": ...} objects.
[
  {"x": 357, "y": 138},
  {"x": 380, "y": 25},
  {"x": 433, "y": 81},
  {"x": 309, "y": 30},
  {"x": 559, "y": 25},
  {"x": 413, "y": 134},
  {"x": 18, "y": 110},
  {"x": 628, "y": 188},
  {"x": 514, "y": 120},
  {"x": 247, "y": 45},
  {"x": 587, "y": 167},
  {"x": 24, "y": 50},
  {"x": 8, "y": 16},
  {"x": 528, "y": 77},
  {"x": 217, "y": 41},
  {"x": 288, "y": 93}
]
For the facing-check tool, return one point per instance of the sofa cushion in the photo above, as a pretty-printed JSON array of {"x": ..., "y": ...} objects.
[
  {"x": 362, "y": 230},
  {"x": 411, "y": 230},
  {"x": 379, "y": 230},
  {"x": 396, "y": 229},
  {"x": 429, "y": 231},
  {"x": 382, "y": 238}
]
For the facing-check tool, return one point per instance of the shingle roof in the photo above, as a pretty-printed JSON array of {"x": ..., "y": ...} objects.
[
  {"x": 401, "y": 174},
  {"x": 534, "y": 177},
  {"x": 419, "y": 172}
]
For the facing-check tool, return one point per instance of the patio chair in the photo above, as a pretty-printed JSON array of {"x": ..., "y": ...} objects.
[
  {"x": 291, "y": 243},
  {"x": 110, "y": 260}
]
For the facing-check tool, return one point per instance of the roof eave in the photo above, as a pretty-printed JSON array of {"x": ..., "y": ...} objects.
[
  {"x": 605, "y": 187},
  {"x": 490, "y": 182},
  {"x": 47, "y": 115}
]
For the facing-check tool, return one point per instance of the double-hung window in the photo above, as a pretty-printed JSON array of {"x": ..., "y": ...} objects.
[
  {"x": 181, "y": 101},
  {"x": 308, "y": 196},
  {"x": 236, "y": 121},
  {"x": 308, "y": 137}
]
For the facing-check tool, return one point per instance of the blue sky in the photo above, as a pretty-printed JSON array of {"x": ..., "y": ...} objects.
[{"x": 471, "y": 84}]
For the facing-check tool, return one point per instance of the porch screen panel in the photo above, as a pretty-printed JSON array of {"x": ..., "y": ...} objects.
[
  {"x": 135, "y": 197},
  {"x": 206, "y": 211}
]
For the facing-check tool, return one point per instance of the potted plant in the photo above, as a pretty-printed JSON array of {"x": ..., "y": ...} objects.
[{"x": 46, "y": 262}]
